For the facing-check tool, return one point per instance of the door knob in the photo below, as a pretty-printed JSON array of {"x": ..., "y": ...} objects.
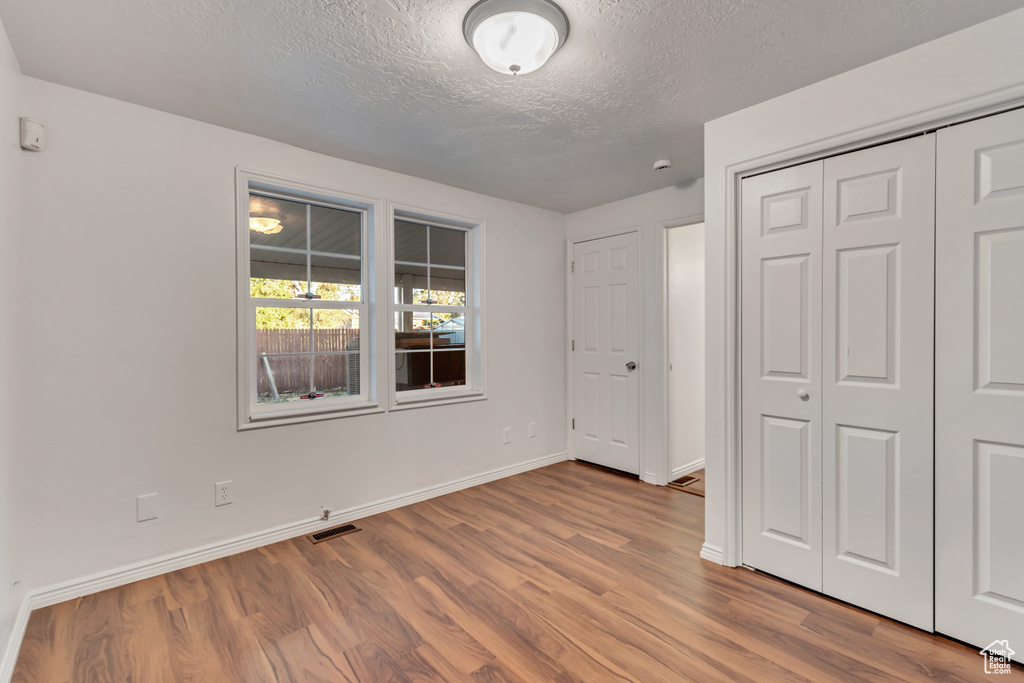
[
  {"x": 631, "y": 365},
  {"x": 803, "y": 395}
]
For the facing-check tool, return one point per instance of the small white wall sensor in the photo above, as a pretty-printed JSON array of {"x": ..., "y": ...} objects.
[
  {"x": 662, "y": 164},
  {"x": 33, "y": 135}
]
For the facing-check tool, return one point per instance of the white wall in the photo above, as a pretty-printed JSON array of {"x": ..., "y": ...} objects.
[
  {"x": 12, "y": 287},
  {"x": 130, "y": 237},
  {"x": 686, "y": 348},
  {"x": 651, "y": 213},
  {"x": 960, "y": 72}
]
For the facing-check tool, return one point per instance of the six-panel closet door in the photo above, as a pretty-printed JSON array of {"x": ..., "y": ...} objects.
[
  {"x": 878, "y": 340},
  {"x": 837, "y": 303},
  {"x": 781, "y": 222},
  {"x": 979, "y": 455}
]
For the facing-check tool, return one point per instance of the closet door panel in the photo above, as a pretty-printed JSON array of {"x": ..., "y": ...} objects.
[
  {"x": 979, "y": 482},
  {"x": 877, "y": 370},
  {"x": 781, "y": 224}
]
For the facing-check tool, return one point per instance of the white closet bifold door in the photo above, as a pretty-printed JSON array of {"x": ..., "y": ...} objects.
[
  {"x": 877, "y": 345},
  {"x": 781, "y": 309},
  {"x": 837, "y": 354},
  {"x": 979, "y": 485}
]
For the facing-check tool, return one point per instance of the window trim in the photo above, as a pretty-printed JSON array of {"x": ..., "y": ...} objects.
[
  {"x": 474, "y": 389},
  {"x": 250, "y": 414}
]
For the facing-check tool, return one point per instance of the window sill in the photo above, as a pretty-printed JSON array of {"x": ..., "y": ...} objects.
[
  {"x": 425, "y": 401},
  {"x": 309, "y": 415}
]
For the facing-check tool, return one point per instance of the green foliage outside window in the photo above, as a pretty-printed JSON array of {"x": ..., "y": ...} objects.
[{"x": 299, "y": 318}]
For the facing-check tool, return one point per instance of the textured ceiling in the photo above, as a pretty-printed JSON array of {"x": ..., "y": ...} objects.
[{"x": 393, "y": 83}]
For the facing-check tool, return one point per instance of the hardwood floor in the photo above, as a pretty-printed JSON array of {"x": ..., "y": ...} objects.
[{"x": 568, "y": 573}]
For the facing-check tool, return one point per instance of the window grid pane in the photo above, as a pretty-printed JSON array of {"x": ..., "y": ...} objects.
[
  {"x": 429, "y": 349},
  {"x": 281, "y": 379},
  {"x": 430, "y": 305},
  {"x": 312, "y": 255}
]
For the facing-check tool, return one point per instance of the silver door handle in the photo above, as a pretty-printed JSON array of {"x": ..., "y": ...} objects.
[
  {"x": 803, "y": 395},
  {"x": 631, "y": 365}
]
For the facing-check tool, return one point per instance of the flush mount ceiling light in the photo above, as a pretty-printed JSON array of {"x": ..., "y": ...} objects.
[
  {"x": 515, "y": 36},
  {"x": 268, "y": 226}
]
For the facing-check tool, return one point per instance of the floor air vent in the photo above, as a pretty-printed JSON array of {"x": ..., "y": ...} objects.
[{"x": 328, "y": 534}]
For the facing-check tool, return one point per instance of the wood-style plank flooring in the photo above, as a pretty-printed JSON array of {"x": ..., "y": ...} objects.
[{"x": 568, "y": 573}]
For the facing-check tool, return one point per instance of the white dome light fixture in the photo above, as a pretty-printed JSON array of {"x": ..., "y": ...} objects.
[
  {"x": 515, "y": 36},
  {"x": 267, "y": 226}
]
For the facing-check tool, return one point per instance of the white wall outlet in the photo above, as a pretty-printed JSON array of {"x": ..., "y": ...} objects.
[
  {"x": 224, "y": 494},
  {"x": 506, "y": 435},
  {"x": 531, "y": 429},
  {"x": 147, "y": 507}
]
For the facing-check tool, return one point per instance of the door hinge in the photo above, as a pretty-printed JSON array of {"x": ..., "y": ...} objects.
[
  {"x": 574, "y": 423},
  {"x": 573, "y": 344},
  {"x": 572, "y": 267}
]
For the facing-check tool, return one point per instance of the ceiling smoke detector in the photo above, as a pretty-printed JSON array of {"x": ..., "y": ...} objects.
[
  {"x": 515, "y": 36},
  {"x": 662, "y": 164}
]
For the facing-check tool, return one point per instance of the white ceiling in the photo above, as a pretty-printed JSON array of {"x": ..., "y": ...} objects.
[{"x": 393, "y": 83}]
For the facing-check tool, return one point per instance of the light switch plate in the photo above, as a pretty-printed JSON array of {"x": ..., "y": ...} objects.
[{"x": 147, "y": 507}]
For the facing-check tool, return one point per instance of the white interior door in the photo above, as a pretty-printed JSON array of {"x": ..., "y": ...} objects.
[
  {"x": 606, "y": 349},
  {"x": 877, "y": 341},
  {"x": 781, "y": 309},
  {"x": 980, "y": 382}
]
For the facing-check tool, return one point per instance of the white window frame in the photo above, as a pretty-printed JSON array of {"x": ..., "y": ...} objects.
[
  {"x": 474, "y": 388},
  {"x": 251, "y": 414}
]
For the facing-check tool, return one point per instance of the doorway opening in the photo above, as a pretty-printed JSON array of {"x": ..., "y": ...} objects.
[{"x": 684, "y": 251}]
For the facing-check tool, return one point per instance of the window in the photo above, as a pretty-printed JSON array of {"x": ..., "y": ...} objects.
[
  {"x": 306, "y": 302},
  {"x": 436, "y": 310}
]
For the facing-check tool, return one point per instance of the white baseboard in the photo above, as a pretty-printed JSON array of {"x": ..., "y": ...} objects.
[
  {"x": 145, "y": 569},
  {"x": 650, "y": 478},
  {"x": 712, "y": 554},
  {"x": 686, "y": 469},
  {"x": 10, "y": 655}
]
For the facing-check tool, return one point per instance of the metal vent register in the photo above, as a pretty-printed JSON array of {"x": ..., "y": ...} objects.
[{"x": 328, "y": 534}]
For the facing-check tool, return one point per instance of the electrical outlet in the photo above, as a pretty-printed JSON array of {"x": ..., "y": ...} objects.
[
  {"x": 531, "y": 429},
  {"x": 506, "y": 435},
  {"x": 223, "y": 493},
  {"x": 147, "y": 507}
]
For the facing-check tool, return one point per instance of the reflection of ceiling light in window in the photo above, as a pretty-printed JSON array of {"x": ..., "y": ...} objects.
[
  {"x": 515, "y": 36},
  {"x": 268, "y": 226}
]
